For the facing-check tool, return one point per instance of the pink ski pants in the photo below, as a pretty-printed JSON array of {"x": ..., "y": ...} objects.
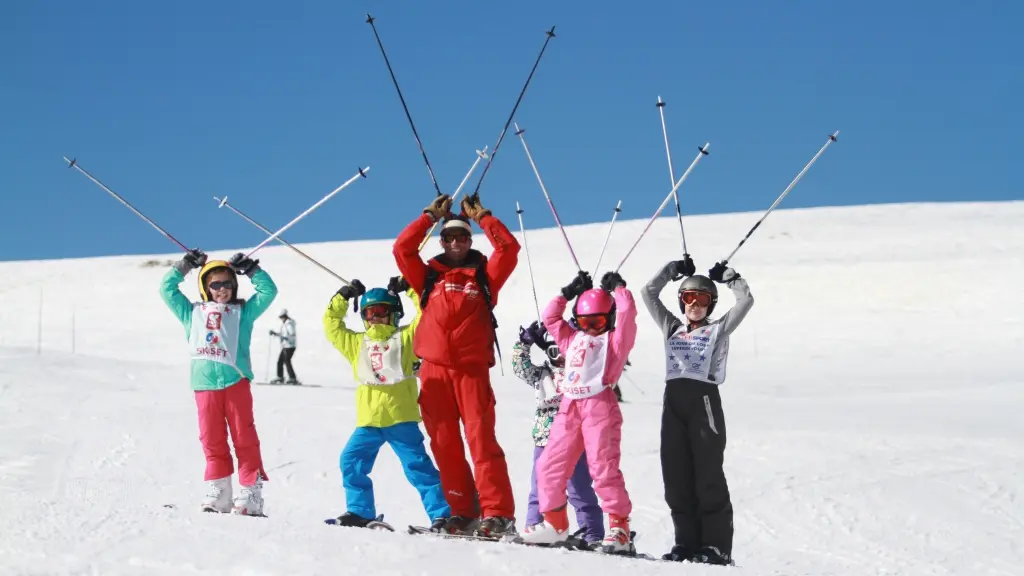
[
  {"x": 593, "y": 424},
  {"x": 219, "y": 412}
]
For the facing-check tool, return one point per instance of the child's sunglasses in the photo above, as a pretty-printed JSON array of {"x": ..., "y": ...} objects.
[
  {"x": 596, "y": 322},
  {"x": 377, "y": 311},
  {"x": 219, "y": 284},
  {"x": 702, "y": 299}
]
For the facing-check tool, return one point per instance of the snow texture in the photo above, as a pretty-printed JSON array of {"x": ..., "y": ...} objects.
[{"x": 872, "y": 402}]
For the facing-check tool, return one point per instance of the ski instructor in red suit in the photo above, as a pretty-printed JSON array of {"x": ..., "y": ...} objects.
[{"x": 455, "y": 341}]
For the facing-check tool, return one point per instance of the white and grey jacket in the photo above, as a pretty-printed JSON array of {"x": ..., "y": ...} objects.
[{"x": 670, "y": 324}]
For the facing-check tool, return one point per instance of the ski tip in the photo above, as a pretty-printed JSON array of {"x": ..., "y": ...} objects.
[{"x": 369, "y": 18}]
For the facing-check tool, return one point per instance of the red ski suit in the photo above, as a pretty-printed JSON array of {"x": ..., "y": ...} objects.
[{"x": 455, "y": 341}]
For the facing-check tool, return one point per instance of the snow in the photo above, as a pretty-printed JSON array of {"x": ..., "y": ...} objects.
[{"x": 872, "y": 406}]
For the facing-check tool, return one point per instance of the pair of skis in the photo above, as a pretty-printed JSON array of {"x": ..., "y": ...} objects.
[{"x": 574, "y": 542}]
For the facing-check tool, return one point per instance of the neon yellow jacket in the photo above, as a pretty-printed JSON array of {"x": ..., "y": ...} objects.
[{"x": 377, "y": 406}]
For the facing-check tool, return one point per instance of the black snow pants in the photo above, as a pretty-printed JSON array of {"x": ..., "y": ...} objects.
[
  {"x": 284, "y": 360},
  {"x": 692, "y": 458}
]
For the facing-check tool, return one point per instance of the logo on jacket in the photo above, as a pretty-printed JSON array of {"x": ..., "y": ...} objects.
[
  {"x": 376, "y": 361},
  {"x": 578, "y": 357},
  {"x": 212, "y": 338},
  {"x": 572, "y": 378},
  {"x": 213, "y": 321}
]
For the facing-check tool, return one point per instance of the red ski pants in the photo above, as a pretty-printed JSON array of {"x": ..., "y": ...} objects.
[
  {"x": 447, "y": 396},
  {"x": 219, "y": 412}
]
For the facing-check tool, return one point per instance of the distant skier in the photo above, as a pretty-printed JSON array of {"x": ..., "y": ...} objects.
[
  {"x": 692, "y": 420},
  {"x": 284, "y": 359},
  {"x": 386, "y": 399},
  {"x": 589, "y": 417},
  {"x": 455, "y": 340},
  {"x": 219, "y": 329},
  {"x": 544, "y": 379}
]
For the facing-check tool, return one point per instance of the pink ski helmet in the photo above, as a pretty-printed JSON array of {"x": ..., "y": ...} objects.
[{"x": 595, "y": 302}]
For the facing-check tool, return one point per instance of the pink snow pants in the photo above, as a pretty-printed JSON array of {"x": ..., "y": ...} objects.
[
  {"x": 223, "y": 410},
  {"x": 593, "y": 424}
]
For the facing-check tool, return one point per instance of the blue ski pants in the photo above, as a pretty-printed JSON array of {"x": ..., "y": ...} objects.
[{"x": 407, "y": 441}]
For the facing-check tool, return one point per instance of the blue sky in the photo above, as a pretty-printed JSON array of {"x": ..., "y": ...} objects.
[{"x": 275, "y": 104}]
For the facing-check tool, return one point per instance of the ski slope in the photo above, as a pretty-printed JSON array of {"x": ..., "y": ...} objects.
[{"x": 873, "y": 407}]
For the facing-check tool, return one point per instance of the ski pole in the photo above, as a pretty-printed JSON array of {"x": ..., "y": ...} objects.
[
  {"x": 476, "y": 191},
  {"x": 74, "y": 164},
  {"x": 671, "y": 173},
  {"x": 479, "y": 154},
  {"x": 831, "y": 139},
  {"x": 702, "y": 151},
  {"x": 533, "y": 285},
  {"x": 608, "y": 236},
  {"x": 223, "y": 202},
  {"x": 362, "y": 173},
  {"x": 519, "y": 132},
  {"x": 369, "y": 20}
]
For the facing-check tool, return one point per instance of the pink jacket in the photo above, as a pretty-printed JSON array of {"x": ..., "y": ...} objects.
[{"x": 620, "y": 339}]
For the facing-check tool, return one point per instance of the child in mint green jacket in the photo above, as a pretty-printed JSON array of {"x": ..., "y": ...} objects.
[{"x": 219, "y": 330}]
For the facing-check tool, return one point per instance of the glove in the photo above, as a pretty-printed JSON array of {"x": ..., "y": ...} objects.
[
  {"x": 580, "y": 284},
  {"x": 439, "y": 208},
  {"x": 272, "y": 333},
  {"x": 192, "y": 259},
  {"x": 682, "y": 268},
  {"x": 242, "y": 265},
  {"x": 721, "y": 274},
  {"x": 533, "y": 334},
  {"x": 472, "y": 208},
  {"x": 397, "y": 285},
  {"x": 353, "y": 290},
  {"x": 612, "y": 280}
]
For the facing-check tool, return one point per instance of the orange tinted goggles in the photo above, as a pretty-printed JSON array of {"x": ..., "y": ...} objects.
[
  {"x": 597, "y": 322},
  {"x": 376, "y": 311},
  {"x": 702, "y": 299}
]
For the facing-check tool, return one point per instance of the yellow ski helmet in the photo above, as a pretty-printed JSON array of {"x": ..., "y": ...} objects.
[{"x": 210, "y": 267}]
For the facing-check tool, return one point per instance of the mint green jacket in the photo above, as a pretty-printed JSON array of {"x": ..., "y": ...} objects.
[{"x": 208, "y": 375}]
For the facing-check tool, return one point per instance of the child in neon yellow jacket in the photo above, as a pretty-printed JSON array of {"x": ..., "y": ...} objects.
[{"x": 387, "y": 398}]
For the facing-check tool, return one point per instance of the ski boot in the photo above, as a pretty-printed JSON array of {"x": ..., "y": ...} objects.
[
  {"x": 459, "y": 525},
  {"x": 250, "y": 501},
  {"x": 497, "y": 527},
  {"x": 553, "y": 531},
  {"x": 218, "y": 496},
  {"x": 618, "y": 540},
  {"x": 711, "y": 555},
  {"x": 356, "y": 521}
]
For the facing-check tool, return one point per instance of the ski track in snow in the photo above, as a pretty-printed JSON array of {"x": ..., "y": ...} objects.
[{"x": 872, "y": 408}]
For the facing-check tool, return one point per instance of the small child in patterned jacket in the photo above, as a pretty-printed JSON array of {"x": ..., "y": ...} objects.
[{"x": 544, "y": 379}]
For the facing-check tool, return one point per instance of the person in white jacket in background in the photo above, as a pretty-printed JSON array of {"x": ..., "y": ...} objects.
[{"x": 284, "y": 359}]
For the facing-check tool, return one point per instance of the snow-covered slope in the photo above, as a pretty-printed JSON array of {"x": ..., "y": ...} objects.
[{"x": 872, "y": 404}]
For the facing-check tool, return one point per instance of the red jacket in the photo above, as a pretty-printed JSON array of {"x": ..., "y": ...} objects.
[{"x": 455, "y": 326}]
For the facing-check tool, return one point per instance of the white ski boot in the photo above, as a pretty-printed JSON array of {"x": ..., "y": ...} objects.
[
  {"x": 548, "y": 532},
  {"x": 250, "y": 501},
  {"x": 218, "y": 496}
]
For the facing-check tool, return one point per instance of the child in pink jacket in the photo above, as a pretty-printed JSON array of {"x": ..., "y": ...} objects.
[{"x": 596, "y": 345}]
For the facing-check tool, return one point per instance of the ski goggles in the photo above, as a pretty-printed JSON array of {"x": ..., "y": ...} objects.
[
  {"x": 702, "y": 299},
  {"x": 220, "y": 284},
  {"x": 595, "y": 322},
  {"x": 453, "y": 238},
  {"x": 554, "y": 354},
  {"x": 377, "y": 311}
]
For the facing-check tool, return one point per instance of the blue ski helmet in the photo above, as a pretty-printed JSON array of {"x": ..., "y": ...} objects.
[{"x": 382, "y": 296}]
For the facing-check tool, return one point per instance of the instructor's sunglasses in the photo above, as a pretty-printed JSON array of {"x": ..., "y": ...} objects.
[
  {"x": 221, "y": 284},
  {"x": 702, "y": 299},
  {"x": 377, "y": 311},
  {"x": 453, "y": 238},
  {"x": 596, "y": 322}
]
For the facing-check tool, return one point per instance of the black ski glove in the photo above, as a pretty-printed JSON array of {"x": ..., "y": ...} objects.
[
  {"x": 192, "y": 259},
  {"x": 580, "y": 284},
  {"x": 533, "y": 334},
  {"x": 397, "y": 285},
  {"x": 682, "y": 268},
  {"x": 242, "y": 265},
  {"x": 352, "y": 290},
  {"x": 612, "y": 280},
  {"x": 721, "y": 274}
]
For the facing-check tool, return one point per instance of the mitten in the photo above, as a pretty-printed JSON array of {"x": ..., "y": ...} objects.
[
  {"x": 242, "y": 265},
  {"x": 580, "y": 284},
  {"x": 682, "y": 268},
  {"x": 612, "y": 280},
  {"x": 473, "y": 209},
  {"x": 721, "y": 274},
  {"x": 439, "y": 207},
  {"x": 192, "y": 259},
  {"x": 397, "y": 285},
  {"x": 352, "y": 290}
]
